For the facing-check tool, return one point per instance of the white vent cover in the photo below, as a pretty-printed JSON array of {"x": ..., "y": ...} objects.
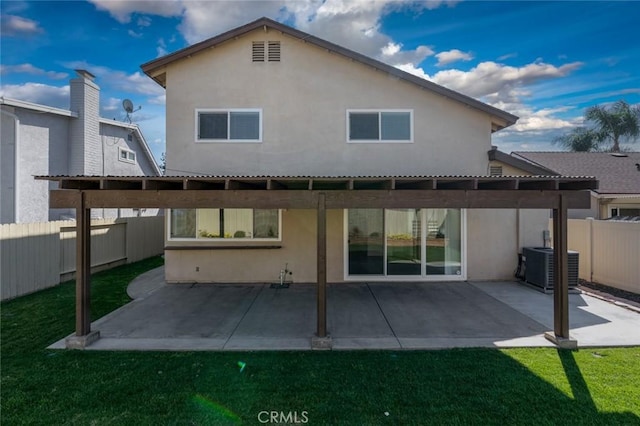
[
  {"x": 271, "y": 53},
  {"x": 257, "y": 51},
  {"x": 495, "y": 170},
  {"x": 274, "y": 51}
]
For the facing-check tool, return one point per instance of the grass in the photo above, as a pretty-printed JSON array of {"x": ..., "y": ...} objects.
[{"x": 471, "y": 386}]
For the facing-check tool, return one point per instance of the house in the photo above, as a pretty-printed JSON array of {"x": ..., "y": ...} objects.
[
  {"x": 618, "y": 194},
  {"x": 289, "y": 153},
  {"x": 268, "y": 101},
  {"x": 42, "y": 140}
]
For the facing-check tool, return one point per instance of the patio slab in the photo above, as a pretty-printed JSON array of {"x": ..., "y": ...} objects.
[{"x": 423, "y": 315}]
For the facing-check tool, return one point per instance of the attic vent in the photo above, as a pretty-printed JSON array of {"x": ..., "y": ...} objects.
[
  {"x": 258, "y": 51},
  {"x": 495, "y": 170},
  {"x": 274, "y": 51}
]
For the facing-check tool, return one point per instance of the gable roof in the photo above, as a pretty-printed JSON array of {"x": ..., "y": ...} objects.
[
  {"x": 617, "y": 173},
  {"x": 154, "y": 68},
  {"x": 495, "y": 155}
]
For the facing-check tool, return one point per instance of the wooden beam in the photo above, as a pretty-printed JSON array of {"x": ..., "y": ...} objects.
[
  {"x": 335, "y": 199},
  {"x": 560, "y": 271},
  {"x": 322, "y": 266},
  {"x": 83, "y": 267}
]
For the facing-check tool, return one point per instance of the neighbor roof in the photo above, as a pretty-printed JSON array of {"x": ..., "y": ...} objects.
[
  {"x": 154, "y": 68},
  {"x": 617, "y": 173}
]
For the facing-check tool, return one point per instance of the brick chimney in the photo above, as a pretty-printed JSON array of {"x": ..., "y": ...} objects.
[{"x": 85, "y": 155}]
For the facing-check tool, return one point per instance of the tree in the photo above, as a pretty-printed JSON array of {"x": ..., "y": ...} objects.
[
  {"x": 580, "y": 139},
  {"x": 619, "y": 122},
  {"x": 612, "y": 125}
]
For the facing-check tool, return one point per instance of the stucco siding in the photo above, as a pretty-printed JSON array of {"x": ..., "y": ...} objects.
[
  {"x": 7, "y": 165},
  {"x": 42, "y": 151},
  {"x": 304, "y": 100},
  {"x": 298, "y": 250}
]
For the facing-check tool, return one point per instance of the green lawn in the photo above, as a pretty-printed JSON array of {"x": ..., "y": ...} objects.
[{"x": 474, "y": 386}]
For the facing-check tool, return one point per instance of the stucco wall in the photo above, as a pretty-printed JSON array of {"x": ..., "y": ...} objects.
[
  {"x": 298, "y": 249},
  {"x": 496, "y": 236},
  {"x": 304, "y": 99},
  {"x": 42, "y": 148},
  {"x": 7, "y": 165}
]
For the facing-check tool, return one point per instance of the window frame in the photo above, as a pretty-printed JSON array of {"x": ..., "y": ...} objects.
[
  {"x": 379, "y": 112},
  {"x": 128, "y": 152},
  {"x": 218, "y": 240},
  {"x": 198, "y": 111}
]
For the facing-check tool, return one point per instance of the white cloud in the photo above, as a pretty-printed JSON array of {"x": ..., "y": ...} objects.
[
  {"x": 134, "y": 34},
  {"x": 500, "y": 82},
  {"x": 121, "y": 10},
  {"x": 135, "y": 83},
  {"x": 38, "y": 93},
  {"x": 12, "y": 25},
  {"x": 144, "y": 21},
  {"x": 454, "y": 55},
  {"x": 30, "y": 69},
  {"x": 161, "y": 49}
]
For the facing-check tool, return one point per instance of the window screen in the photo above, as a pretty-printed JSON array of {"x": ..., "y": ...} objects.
[
  {"x": 213, "y": 125},
  {"x": 396, "y": 126},
  {"x": 245, "y": 125}
]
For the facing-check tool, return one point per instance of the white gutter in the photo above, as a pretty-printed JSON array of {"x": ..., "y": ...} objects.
[
  {"x": 16, "y": 137},
  {"x": 37, "y": 107}
]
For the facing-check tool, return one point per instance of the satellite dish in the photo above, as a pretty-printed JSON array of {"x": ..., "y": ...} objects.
[{"x": 127, "y": 105}]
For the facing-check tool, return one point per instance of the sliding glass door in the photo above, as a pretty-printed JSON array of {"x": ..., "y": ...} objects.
[{"x": 409, "y": 243}]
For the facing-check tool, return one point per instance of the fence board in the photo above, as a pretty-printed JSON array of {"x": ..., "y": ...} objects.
[
  {"x": 609, "y": 252},
  {"x": 35, "y": 256}
]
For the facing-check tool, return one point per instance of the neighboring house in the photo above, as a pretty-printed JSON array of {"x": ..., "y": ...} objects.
[
  {"x": 267, "y": 100},
  {"x": 42, "y": 140},
  {"x": 618, "y": 193}
]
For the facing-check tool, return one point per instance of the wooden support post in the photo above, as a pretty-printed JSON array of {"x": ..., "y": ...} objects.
[
  {"x": 322, "y": 266},
  {"x": 561, "y": 278},
  {"x": 83, "y": 336},
  {"x": 321, "y": 340},
  {"x": 83, "y": 268}
]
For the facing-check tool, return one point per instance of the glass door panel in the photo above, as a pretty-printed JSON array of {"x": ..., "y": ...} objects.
[
  {"x": 366, "y": 242},
  {"x": 404, "y": 242},
  {"x": 444, "y": 242}
]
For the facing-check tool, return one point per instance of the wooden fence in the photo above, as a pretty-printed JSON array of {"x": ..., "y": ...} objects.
[
  {"x": 609, "y": 251},
  {"x": 34, "y": 256}
]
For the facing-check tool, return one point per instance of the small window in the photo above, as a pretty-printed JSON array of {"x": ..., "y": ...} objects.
[
  {"x": 229, "y": 125},
  {"x": 126, "y": 155},
  {"x": 380, "y": 126}
]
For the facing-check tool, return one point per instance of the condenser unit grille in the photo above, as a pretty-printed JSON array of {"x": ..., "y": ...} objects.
[{"x": 539, "y": 267}]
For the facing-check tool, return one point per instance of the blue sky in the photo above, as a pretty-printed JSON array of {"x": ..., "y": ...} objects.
[{"x": 543, "y": 61}]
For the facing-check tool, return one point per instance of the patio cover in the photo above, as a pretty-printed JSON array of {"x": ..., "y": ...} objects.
[{"x": 558, "y": 193}]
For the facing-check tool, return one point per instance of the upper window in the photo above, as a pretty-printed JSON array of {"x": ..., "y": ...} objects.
[
  {"x": 380, "y": 126},
  {"x": 237, "y": 125},
  {"x": 126, "y": 155}
]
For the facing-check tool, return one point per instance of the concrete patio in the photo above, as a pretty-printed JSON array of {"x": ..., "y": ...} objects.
[{"x": 426, "y": 315}]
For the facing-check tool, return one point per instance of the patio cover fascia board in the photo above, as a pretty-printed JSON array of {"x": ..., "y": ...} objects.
[
  {"x": 303, "y": 192},
  {"x": 321, "y": 193}
]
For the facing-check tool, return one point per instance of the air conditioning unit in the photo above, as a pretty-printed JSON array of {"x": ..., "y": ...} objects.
[{"x": 539, "y": 267}]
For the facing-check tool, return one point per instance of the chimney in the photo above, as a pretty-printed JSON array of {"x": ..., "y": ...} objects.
[{"x": 85, "y": 155}]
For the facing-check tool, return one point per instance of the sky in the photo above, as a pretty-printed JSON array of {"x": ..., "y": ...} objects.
[{"x": 544, "y": 61}]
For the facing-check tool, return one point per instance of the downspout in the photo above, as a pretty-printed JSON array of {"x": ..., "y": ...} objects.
[{"x": 16, "y": 138}]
